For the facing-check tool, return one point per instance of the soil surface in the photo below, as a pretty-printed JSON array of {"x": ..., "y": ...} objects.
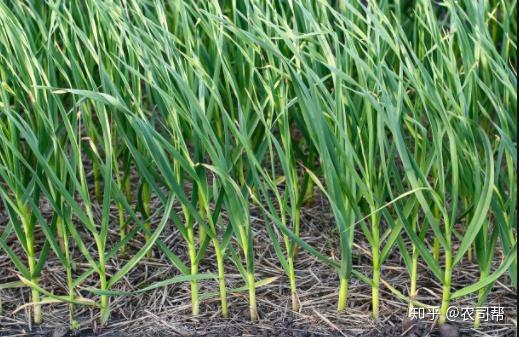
[
  {"x": 285, "y": 329},
  {"x": 166, "y": 311}
]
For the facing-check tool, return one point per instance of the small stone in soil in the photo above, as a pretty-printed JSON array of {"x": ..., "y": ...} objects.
[
  {"x": 60, "y": 332},
  {"x": 448, "y": 330}
]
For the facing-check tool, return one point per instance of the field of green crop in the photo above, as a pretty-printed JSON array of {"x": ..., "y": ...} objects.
[{"x": 130, "y": 128}]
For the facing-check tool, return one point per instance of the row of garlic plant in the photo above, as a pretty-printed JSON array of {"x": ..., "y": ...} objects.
[{"x": 405, "y": 126}]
